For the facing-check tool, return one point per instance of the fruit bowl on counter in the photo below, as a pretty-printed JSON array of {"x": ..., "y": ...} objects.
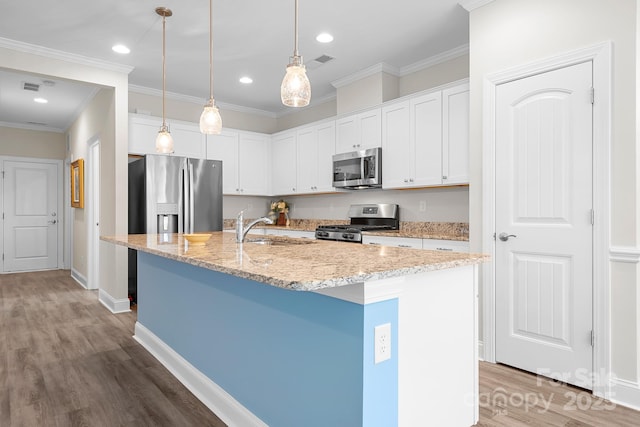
[{"x": 197, "y": 238}]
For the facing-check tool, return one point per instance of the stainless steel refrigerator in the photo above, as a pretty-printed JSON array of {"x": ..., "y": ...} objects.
[{"x": 169, "y": 194}]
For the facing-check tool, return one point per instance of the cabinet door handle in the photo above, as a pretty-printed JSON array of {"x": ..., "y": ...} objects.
[
  {"x": 444, "y": 176},
  {"x": 444, "y": 249},
  {"x": 373, "y": 243},
  {"x": 404, "y": 246}
]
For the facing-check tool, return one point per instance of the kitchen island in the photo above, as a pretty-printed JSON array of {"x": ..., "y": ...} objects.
[{"x": 282, "y": 331}]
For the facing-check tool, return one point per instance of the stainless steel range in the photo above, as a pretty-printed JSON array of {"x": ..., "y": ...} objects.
[{"x": 367, "y": 217}]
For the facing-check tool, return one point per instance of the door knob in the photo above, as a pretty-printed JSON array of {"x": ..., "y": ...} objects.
[
  {"x": 504, "y": 236},
  {"x": 52, "y": 221}
]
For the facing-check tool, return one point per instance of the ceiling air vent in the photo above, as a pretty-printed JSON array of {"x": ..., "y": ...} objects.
[
  {"x": 31, "y": 86},
  {"x": 323, "y": 59},
  {"x": 320, "y": 60}
]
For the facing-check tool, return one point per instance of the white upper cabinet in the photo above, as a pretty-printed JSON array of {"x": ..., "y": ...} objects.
[
  {"x": 398, "y": 162},
  {"x": 283, "y": 165},
  {"x": 315, "y": 149},
  {"x": 426, "y": 134},
  {"x": 359, "y": 131},
  {"x": 225, "y": 147},
  {"x": 187, "y": 139},
  {"x": 425, "y": 140},
  {"x": 455, "y": 156},
  {"x": 245, "y": 161},
  {"x": 254, "y": 162}
]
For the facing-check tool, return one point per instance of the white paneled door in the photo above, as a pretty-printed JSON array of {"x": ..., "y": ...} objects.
[
  {"x": 30, "y": 216},
  {"x": 544, "y": 242}
]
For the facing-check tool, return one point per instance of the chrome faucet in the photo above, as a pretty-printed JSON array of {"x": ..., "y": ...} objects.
[{"x": 241, "y": 230}]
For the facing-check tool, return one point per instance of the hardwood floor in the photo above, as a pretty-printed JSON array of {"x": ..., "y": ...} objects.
[
  {"x": 513, "y": 398},
  {"x": 66, "y": 361}
]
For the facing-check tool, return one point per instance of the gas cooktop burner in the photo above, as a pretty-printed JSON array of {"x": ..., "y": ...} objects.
[{"x": 363, "y": 218}]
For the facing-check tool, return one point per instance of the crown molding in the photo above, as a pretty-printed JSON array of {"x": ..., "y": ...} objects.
[
  {"x": 435, "y": 60},
  {"x": 470, "y": 5},
  {"x": 63, "y": 56},
  {"x": 316, "y": 101},
  {"x": 370, "y": 71},
  {"x": 27, "y": 126},
  {"x": 201, "y": 101}
]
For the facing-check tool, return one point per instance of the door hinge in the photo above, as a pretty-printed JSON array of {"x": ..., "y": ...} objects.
[
  {"x": 593, "y": 217},
  {"x": 593, "y": 95},
  {"x": 593, "y": 338}
]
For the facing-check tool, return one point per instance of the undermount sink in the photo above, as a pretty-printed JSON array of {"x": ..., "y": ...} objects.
[{"x": 279, "y": 241}]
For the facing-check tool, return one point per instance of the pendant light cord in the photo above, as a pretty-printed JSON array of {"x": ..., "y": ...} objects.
[
  {"x": 295, "y": 41},
  {"x": 211, "y": 48},
  {"x": 164, "y": 77}
]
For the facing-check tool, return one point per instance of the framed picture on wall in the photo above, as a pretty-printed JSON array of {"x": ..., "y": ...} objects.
[{"x": 77, "y": 184}]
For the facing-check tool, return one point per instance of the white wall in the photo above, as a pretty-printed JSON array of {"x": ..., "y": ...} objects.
[
  {"x": 508, "y": 33},
  {"x": 32, "y": 143},
  {"x": 114, "y": 147}
]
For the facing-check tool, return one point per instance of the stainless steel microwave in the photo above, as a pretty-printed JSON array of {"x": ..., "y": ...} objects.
[{"x": 358, "y": 169}]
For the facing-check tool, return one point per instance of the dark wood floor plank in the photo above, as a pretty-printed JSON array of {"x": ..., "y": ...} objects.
[{"x": 65, "y": 360}]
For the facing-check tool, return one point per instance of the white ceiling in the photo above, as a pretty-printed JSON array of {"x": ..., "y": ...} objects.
[{"x": 251, "y": 37}]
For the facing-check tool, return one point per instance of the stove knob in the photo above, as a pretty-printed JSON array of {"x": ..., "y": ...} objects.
[
  {"x": 345, "y": 236},
  {"x": 351, "y": 236}
]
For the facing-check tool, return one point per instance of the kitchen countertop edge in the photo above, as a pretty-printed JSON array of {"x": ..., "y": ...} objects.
[{"x": 463, "y": 259}]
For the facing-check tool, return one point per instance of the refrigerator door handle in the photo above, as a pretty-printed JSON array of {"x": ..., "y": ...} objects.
[
  {"x": 191, "y": 199},
  {"x": 185, "y": 192}
]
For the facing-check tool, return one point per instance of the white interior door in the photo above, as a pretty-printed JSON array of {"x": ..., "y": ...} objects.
[
  {"x": 543, "y": 211},
  {"x": 31, "y": 223}
]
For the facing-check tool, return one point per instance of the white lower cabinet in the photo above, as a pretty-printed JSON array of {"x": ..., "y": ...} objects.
[
  {"x": 445, "y": 245},
  {"x": 400, "y": 242},
  {"x": 290, "y": 233},
  {"x": 416, "y": 243}
]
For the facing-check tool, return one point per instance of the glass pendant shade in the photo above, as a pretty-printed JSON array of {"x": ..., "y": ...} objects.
[
  {"x": 210, "y": 120},
  {"x": 296, "y": 89},
  {"x": 164, "y": 141}
]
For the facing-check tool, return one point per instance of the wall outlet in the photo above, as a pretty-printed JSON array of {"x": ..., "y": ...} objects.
[
  {"x": 422, "y": 207},
  {"x": 382, "y": 343}
]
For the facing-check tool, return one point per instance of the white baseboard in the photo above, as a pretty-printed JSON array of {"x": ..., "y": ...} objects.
[
  {"x": 625, "y": 393},
  {"x": 82, "y": 281},
  {"x": 480, "y": 350},
  {"x": 208, "y": 392},
  {"x": 114, "y": 305}
]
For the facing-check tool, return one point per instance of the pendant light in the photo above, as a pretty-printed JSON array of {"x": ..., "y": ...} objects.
[
  {"x": 210, "y": 120},
  {"x": 164, "y": 141},
  {"x": 296, "y": 89}
]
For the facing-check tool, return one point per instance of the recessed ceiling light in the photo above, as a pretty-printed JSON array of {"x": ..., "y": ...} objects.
[
  {"x": 40, "y": 100},
  {"x": 246, "y": 80},
  {"x": 120, "y": 48},
  {"x": 324, "y": 38}
]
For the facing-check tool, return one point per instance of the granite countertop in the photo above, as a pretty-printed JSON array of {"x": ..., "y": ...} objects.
[
  {"x": 297, "y": 264},
  {"x": 418, "y": 230}
]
